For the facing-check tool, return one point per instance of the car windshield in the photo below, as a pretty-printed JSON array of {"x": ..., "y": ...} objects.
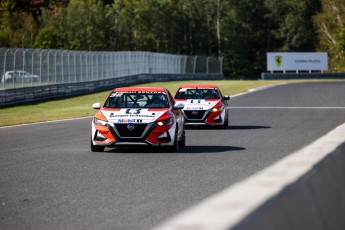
[
  {"x": 137, "y": 100},
  {"x": 184, "y": 93}
]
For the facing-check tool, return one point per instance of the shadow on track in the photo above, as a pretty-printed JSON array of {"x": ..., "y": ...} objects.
[
  {"x": 232, "y": 127},
  {"x": 209, "y": 149},
  {"x": 241, "y": 127},
  {"x": 186, "y": 150}
]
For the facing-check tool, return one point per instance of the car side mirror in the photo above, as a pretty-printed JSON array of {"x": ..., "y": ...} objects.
[
  {"x": 96, "y": 105},
  {"x": 178, "y": 106},
  {"x": 226, "y": 97}
]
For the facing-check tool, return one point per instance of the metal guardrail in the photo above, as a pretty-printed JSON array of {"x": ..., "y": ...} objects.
[
  {"x": 36, "y": 67},
  {"x": 38, "y": 74}
]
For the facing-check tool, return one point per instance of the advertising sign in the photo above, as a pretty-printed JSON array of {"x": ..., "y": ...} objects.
[{"x": 294, "y": 61}]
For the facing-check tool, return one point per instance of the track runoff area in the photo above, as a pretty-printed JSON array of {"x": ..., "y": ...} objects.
[{"x": 230, "y": 208}]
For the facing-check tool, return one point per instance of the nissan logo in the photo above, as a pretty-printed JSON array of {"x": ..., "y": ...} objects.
[
  {"x": 195, "y": 112},
  {"x": 130, "y": 126}
]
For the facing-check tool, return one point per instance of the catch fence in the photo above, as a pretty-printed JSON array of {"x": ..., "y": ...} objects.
[
  {"x": 36, "y": 74},
  {"x": 35, "y": 67}
]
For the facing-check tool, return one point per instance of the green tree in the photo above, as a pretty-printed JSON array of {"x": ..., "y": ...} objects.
[
  {"x": 51, "y": 34},
  {"x": 291, "y": 24},
  {"x": 120, "y": 18},
  {"x": 245, "y": 33},
  {"x": 330, "y": 23},
  {"x": 17, "y": 27},
  {"x": 85, "y": 25}
]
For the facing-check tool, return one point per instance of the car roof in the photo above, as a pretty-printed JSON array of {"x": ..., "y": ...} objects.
[
  {"x": 199, "y": 85},
  {"x": 140, "y": 89}
]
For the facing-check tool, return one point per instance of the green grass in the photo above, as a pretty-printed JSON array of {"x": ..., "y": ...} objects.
[{"x": 80, "y": 106}]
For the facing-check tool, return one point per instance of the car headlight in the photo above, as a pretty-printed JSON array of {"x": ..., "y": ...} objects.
[
  {"x": 217, "y": 109},
  {"x": 100, "y": 122},
  {"x": 165, "y": 122}
]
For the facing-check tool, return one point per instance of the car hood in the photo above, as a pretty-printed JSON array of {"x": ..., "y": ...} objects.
[
  {"x": 198, "y": 104},
  {"x": 133, "y": 115}
]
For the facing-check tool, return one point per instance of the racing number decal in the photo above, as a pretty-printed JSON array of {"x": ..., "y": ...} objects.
[
  {"x": 199, "y": 101},
  {"x": 133, "y": 111}
]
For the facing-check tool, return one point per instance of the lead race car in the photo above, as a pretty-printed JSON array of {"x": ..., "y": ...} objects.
[
  {"x": 204, "y": 104},
  {"x": 133, "y": 116}
]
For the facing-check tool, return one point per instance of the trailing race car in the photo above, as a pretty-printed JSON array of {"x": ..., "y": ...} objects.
[
  {"x": 135, "y": 116},
  {"x": 204, "y": 104}
]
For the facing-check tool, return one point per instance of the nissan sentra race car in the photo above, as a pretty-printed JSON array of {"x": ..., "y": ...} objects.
[
  {"x": 204, "y": 104},
  {"x": 136, "y": 116}
]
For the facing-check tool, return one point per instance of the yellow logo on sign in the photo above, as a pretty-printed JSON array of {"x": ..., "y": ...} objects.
[{"x": 278, "y": 60}]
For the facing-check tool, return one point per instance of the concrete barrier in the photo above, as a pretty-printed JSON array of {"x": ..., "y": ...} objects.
[
  {"x": 301, "y": 75},
  {"x": 305, "y": 190}
]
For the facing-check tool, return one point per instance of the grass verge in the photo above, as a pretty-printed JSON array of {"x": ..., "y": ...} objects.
[{"x": 80, "y": 106}]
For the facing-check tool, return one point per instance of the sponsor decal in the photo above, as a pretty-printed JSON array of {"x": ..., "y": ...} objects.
[
  {"x": 132, "y": 116},
  {"x": 278, "y": 60},
  {"x": 145, "y": 92},
  {"x": 125, "y": 115},
  {"x": 126, "y": 120},
  {"x": 129, "y": 121},
  {"x": 143, "y": 116},
  {"x": 116, "y": 94},
  {"x": 133, "y": 111},
  {"x": 193, "y": 107}
]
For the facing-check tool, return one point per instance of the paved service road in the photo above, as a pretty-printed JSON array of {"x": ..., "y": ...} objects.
[{"x": 51, "y": 180}]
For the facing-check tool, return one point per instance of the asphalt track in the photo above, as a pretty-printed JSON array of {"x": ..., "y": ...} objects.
[{"x": 51, "y": 180}]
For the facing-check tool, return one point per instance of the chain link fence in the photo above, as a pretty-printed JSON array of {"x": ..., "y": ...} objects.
[
  {"x": 36, "y": 67},
  {"x": 40, "y": 74}
]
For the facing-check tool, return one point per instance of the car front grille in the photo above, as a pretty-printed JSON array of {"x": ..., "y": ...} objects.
[
  {"x": 136, "y": 132},
  {"x": 195, "y": 114}
]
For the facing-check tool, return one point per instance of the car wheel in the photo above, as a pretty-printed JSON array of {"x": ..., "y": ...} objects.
[
  {"x": 96, "y": 148},
  {"x": 174, "y": 148},
  {"x": 225, "y": 125},
  {"x": 182, "y": 142}
]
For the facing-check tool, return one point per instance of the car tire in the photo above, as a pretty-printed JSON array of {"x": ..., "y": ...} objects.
[
  {"x": 96, "y": 148},
  {"x": 174, "y": 148},
  {"x": 225, "y": 125},
  {"x": 182, "y": 142}
]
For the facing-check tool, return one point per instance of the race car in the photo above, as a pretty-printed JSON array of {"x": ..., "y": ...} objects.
[
  {"x": 137, "y": 116},
  {"x": 204, "y": 104}
]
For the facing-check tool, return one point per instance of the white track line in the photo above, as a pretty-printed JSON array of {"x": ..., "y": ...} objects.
[
  {"x": 43, "y": 122},
  {"x": 230, "y": 206},
  {"x": 281, "y": 107}
]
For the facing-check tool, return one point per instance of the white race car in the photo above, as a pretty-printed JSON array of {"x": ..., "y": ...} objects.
[
  {"x": 134, "y": 116},
  {"x": 204, "y": 104}
]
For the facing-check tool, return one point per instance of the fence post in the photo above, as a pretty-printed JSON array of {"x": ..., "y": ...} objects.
[
  {"x": 48, "y": 67},
  {"x": 55, "y": 64},
  {"x": 4, "y": 80},
  {"x": 24, "y": 67},
  {"x": 14, "y": 67},
  {"x": 221, "y": 65},
  {"x": 75, "y": 67},
  {"x": 194, "y": 66},
  {"x": 41, "y": 66}
]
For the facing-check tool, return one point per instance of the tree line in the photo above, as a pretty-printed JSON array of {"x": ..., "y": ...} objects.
[{"x": 240, "y": 31}]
